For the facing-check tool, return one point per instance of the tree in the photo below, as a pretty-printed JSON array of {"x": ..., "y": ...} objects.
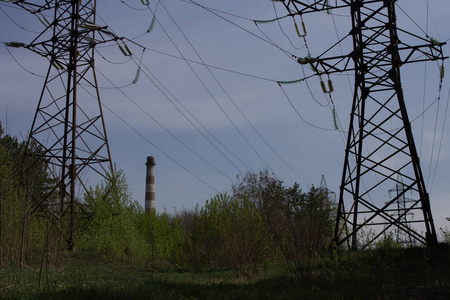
[
  {"x": 228, "y": 233},
  {"x": 111, "y": 230},
  {"x": 300, "y": 224},
  {"x": 260, "y": 188},
  {"x": 22, "y": 176},
  {"x": 164, "y": 238}
]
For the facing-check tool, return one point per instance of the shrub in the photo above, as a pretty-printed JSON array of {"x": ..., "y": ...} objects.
[
  {"x": 112, "y": 228},
  {"x": 228, "y": 233}
]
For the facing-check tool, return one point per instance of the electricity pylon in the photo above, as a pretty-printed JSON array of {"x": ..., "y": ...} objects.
[
  {"x": 330, "y": 195},
  {"x": 380, "y": 145},
  {"x": 401, "y": 237},
  {"x": 68, "y": 125}
]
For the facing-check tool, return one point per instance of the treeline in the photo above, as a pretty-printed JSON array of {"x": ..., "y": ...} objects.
[{"x": 260, "y": 220}]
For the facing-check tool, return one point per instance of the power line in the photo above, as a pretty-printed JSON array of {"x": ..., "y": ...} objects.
[
  {"x": 144, "y": 48},
  {"x": 189, "y": 120},
  {"x": 282, "y": 30},
  {"x": 17, "y": 24},
  {"x": 231, "y": 99},
  {"x": 300, "y": 116},
  {"x": 19, "y": 64},
  {"x": 159, "y": 149},
  {"x": 242, "y": 28},
  {"x": 442, "y": 139},
  {"x": 219, "y": 11},
  {"x": 203, "y": 64},
  {"x": 207, "y": 91},
  {"x": 214, "y": 99},
  {"x": 163, "y": 127}
]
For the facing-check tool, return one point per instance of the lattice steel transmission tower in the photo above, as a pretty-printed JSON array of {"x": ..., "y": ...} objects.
[
  {"x": 68, "y": 125},
  {"x": 380, "y": 145},
  {"x": 401, "y": 237},
  {"x": 331, "y": 196}
]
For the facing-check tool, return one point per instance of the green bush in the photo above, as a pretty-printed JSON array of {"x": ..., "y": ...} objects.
[
  {"x": 112, "y": 229},
  {"x": 228, "y": 233},
  {"x": 164, "y": 237},
  {"x": 24, "y": 236}
]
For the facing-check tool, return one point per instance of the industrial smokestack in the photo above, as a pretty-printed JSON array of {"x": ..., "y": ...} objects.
[{"x": 150, "y": 185}]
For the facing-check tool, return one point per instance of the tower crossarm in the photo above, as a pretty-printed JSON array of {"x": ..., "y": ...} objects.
[
  {"x": 302, "y": 7},
  {"x": 54, "y": 41},
  {"x": 34, "y": 7},
  {"x": 343, "y": 63},
  {"x": 431, "y": 51},
  {"x": 411, "y": 47}
]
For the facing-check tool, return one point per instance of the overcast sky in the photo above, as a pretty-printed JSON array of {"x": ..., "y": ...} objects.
[{"x": 236, "y": 102}]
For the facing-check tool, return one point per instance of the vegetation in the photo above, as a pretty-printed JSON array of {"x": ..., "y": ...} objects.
[
  {"x": 263, "y": 240},
  {"x": 21, "y": 234},
  {"x": 375, "y": 274}
]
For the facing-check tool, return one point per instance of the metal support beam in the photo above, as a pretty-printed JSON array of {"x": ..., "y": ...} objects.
[
  {"x": 380, "y": 145},
  {"x": 68, "y": 125}
]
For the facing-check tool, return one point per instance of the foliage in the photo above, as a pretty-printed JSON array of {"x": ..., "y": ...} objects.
[
  {"x": 387, "y": 242},
  {"x": 299, "y": 223},
  {"x": 120, "y": 230},
  {"x": 416, "y": 273},
  {"x": 22, "y": 232},
  {"x": 228, "y": 233},
  {"x": 260, "y": 188},
  {"x": 112, "y": 230},
  {"x": 303, "y": 230},
  {"x": 446, "y": 234},
  {"x": 164, "y": 239}
]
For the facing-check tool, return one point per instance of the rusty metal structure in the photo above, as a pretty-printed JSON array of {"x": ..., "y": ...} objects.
[
  {"x": 380, "y": 146},
  {"x": 68, "y": 125}
]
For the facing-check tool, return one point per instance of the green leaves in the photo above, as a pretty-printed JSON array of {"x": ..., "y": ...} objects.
[
  {"x": 228, "y": 233},
  {"x": 299, "y": 224}
]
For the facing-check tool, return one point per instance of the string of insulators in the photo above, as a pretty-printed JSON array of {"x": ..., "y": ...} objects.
[
  {"x": 15, "y": 44},
  {"x": 264, "y": 21},
  {"x": 138, "y": 74},
  {"x": 327, "y": 4},
  {"x": 87, "y": 25},
  {"x": 300, "y": 34},
  {"x": 330, "y": 86},
  {"x": 125, "y": 50},
  {"x": 333, "y": 110},
  {"x": 145, "y": 2},
  {"x": 152, "y": 24},
  {"x": 290, "y": 81},
  {"x": 442, "y": 71}
]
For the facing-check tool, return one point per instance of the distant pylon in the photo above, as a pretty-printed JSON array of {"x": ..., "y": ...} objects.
[
  {"x": 68, "y": 125},
  {"x": 331, "y": 196},
  {"x": 402, "y": 236}
]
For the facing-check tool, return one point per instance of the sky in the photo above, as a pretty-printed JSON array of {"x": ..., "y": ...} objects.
[{"x": 236, "y": 102}]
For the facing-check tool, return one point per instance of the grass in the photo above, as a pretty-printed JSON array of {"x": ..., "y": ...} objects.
[{"x": 420, "y": 273}]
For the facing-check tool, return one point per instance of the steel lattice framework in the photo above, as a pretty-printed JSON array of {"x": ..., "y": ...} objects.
[
  {"x": 68, "y": 124},
  {"x": 380, "y": 145}
]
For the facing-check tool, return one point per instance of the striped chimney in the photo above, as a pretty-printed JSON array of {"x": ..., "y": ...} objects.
[{"x": 150, "y": 185}]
